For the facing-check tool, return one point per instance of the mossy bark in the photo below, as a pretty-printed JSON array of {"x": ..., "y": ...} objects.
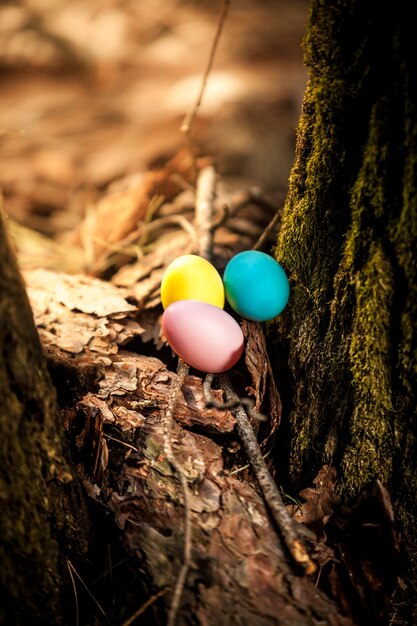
[
  {"x": 348, "y": 241},
  {"x": 42, "y": 516}
]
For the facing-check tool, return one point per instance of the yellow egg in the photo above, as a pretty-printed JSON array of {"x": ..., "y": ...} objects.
[{"x": 190, "y": 277}]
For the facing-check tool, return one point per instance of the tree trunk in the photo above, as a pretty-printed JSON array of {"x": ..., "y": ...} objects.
[
  {"x": 348, "y": 241},
  {"x": 42, "y": 514}
]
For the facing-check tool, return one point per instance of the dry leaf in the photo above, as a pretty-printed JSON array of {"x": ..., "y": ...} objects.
[
  {"x": 367, "y": 544},
  {"x": 77, "y": 312},
  {"x": 267, "y": 399},
  {"x": 118, "y": 214},
  {"x": 320, "y": 501},
  {"x": 77, "y": 292}
]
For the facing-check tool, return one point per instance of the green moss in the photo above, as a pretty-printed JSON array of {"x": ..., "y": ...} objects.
[
  {"x": 43, "y": 517},
  {"x": 348, "y": 242},
  {"x": 368, "y": 451},
  {"x": 28, "y": 552}
]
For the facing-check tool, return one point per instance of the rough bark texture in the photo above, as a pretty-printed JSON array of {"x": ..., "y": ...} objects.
[
  {"x": 348, "y": 241},
  {"x": 41, "y": 510},
  {"x": 240, "y": 573}
]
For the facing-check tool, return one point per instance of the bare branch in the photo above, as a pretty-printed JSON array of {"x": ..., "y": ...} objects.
[
  {"x": 168, "y": 417},
  {"x": 230, "y": 404},
  {"x": 267, "y": 232},
  {"x": 206, "y": 189},
  {"x": 186, "y": 126},
  {"x": 269, "y": 488},
  {"x": 145, "y": 607},
  {"x": 221, "y": 219},
  {"x": 204, "y": 216}
]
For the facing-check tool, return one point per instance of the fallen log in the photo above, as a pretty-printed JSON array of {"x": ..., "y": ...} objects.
[{"x": 240, "y": 570}]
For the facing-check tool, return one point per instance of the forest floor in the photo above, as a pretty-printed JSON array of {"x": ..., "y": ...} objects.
[
  {"x": 95, "y": 92},
  {"x": 92, "y": 157},
  {"x": 98, "y": 182}
]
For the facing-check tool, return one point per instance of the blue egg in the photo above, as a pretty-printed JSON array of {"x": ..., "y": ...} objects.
[{"x": 256, "y": 285}]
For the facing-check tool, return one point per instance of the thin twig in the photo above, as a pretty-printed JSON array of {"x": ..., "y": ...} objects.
[
  {"x": 107, "y": 571},
  {"x": 74, "y": 586},
  {"x": 267, "y": 484},
  {"x": 161, "y": 222},
  {"x": 267, "y": 232},
  {"x": 121, "y": 248},
  {"x": 96, "y": 602},
  {"x": 145, "y": 607},
  {"x": 206, "y": 186},
  {"x": 244, "y": 467},
  {"x": 222, "y": 219},
  {"x": 186, "y": 126},
  {"x": 188, "y": 121},
  {"x": 207, "y": 383},
  {"x": 168, "y": 418},
  {"x": 122, "y": 443},
  {"x": 316, "y": 584},
  {"x": 205, "y": 194},
  {"x": 233, "y": 404},
  {"x": 246, "y": 433}
]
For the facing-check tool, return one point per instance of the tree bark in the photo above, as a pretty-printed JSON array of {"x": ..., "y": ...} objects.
[
  {"x": 348, "y": 241},
  {"x": 43, "y": 517},
  {"x": 240, "y": 571}
]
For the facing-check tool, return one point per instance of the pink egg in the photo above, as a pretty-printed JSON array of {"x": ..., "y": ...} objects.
[{"x": 203, "y": 335}]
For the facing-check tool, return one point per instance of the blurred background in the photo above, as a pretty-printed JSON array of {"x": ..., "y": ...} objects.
[{"x": 95, "y": 90}]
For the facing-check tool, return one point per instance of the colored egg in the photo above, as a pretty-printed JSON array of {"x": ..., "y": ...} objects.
[
  {"x": 190, "y": 277},
  {"x": 203, "y": 335},
  {"x": 256, "y": 285}
]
